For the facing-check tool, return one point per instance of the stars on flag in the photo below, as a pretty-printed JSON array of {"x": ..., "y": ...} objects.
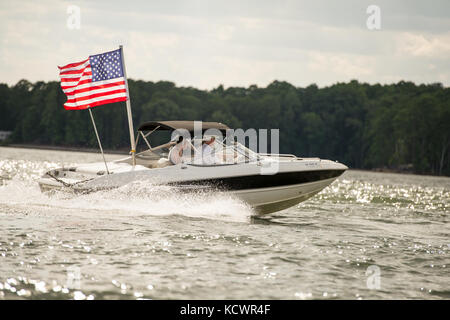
[{"x": 106, "y": 66}]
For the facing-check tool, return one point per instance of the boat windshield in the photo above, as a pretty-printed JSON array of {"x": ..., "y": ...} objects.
[
  {"x": 213, "y": 151},
  {"x": 208, "y": 150}
]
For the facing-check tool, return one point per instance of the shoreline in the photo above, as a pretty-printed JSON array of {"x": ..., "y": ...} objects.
[{"x": 62, "y": 148}]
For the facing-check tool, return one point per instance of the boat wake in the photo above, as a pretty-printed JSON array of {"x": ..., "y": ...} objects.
[{"x": 134, "y": 199}]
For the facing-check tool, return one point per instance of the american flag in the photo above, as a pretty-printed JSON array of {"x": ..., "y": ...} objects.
[{"x": 95, "y": 81}]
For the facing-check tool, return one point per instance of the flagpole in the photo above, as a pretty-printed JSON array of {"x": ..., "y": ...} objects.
[
  {"x": 98, "y": 139},
  {"x": 130, "y": 116}
]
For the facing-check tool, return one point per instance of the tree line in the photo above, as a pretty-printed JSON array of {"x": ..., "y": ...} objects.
[{"x": 400, "y": 125}]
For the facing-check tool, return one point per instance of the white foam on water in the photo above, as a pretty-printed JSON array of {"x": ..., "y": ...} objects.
[{"x": 137, "y": 198}]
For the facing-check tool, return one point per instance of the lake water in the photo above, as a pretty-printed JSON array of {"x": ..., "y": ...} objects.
[{"x": 367, "y": 236}]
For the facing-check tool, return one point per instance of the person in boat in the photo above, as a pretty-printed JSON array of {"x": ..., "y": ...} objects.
[
  {"x": 210, "y": 155},
  {"x": 176, "y": 153},
  {"x": 208, "y": 152}
]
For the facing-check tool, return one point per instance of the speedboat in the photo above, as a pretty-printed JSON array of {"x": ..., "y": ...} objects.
[{"x": 267, "y": 182}]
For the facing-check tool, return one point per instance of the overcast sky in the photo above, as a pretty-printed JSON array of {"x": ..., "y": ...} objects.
[{"x": 235, "y": 43}]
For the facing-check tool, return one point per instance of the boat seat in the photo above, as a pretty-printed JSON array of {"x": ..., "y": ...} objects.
[{"x": 162, "y": 163}]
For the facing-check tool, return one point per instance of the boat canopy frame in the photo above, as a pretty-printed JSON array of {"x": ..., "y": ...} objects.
[{"x": 186, "y": 125}]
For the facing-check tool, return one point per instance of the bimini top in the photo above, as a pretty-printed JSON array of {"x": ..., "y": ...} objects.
[{"x": 174, "y": 125}]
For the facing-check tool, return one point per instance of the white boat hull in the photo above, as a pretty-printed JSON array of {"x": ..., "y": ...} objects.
[{"x": 293, "y": 182}]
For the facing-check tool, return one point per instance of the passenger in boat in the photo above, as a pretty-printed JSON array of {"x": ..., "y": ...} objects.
[
  {"x": 176, "y": 153},
  {"x": 208, "y": 154}
]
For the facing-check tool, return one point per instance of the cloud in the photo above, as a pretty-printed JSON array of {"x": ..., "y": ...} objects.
[
  {"x": 424, "y": 45},
  {"x": 342, "y": 65}
]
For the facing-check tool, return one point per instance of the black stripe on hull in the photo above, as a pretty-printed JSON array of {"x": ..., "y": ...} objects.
[{"x": 266, "y": 181}]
